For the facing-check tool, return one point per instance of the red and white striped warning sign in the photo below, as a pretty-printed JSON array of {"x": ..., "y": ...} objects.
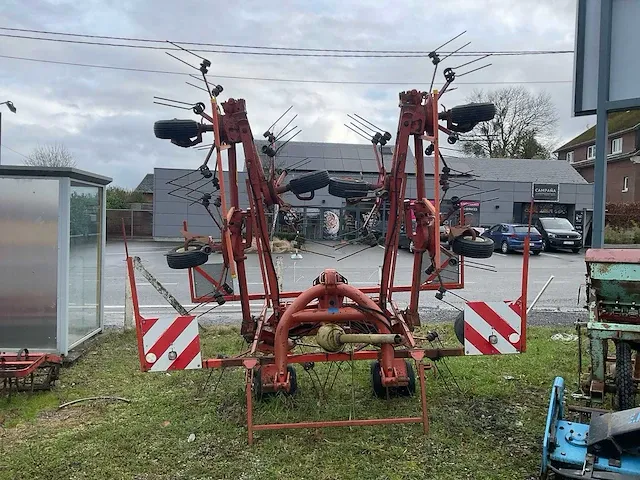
[
  {"x": 492, "y": 328},
  {"x": 171, "y": 344}
]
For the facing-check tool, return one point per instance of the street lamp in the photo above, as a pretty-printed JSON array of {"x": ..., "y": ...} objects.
[{"x": 11, "y": 107}]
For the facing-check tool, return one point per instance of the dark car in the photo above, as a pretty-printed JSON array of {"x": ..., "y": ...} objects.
[
  {"x": 509, "y": 237},
  {"x": 558, "y": 233}
]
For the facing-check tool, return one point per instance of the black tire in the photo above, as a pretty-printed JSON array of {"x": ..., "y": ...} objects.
[
  {"x": 535, "y": 252},
  {"x": 348, "y": 187},
  {"x": 481, "y": 247},
  {"x": 458, "y": 327},
  {"x": 545, "y": 246},
  {"x": 381, "y": 391},
  {"x": 575, "y": 250},
  {"x": 175, "y": 129},
  {"x": 625, "y": 396},
  {"x": 472, "y": 113},
  {"x": 257, "y": 385},
  {"x": 178, "y": 258},
  {"x": 309, "y": 182},
  {"x": 504, "y": 247}
]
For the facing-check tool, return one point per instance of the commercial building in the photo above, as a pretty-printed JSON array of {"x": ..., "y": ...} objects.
[{"x": 492, "y": 190}]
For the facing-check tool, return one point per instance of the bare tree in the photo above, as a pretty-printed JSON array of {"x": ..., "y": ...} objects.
[
  {"x": 522, "y": 128},
  {"x": 50, "y": 156}
]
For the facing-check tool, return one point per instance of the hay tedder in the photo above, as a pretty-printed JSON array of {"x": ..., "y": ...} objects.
[{"x": 332, "y": 310}]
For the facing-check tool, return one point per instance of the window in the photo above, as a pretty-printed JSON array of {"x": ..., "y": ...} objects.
[
  {"x": 616, "y": 146},
  {"x": 570, "y": 157},
  {"x": 625, "y": 184},
  {"x": 591, "y": 152}
]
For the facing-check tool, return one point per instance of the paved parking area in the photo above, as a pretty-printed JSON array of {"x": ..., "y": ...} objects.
[{"x": 559, "y": 304}]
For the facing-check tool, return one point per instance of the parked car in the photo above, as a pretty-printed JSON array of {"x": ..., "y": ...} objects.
[
  {"x": 558, "y": 233},
  {"x": 509, "y": 237}
]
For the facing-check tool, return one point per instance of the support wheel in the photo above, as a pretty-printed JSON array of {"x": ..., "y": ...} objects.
[
  {"x": 348, "y": 187},
  {"x": 458, "y": 327},
  {"x": 481, "y": 247},
  {"x": 381, "y": 391},
  {"x": 259, "y": 394},
  {"x": 180, "y": 258},
  {"x": 504, "y": 247},
  {"x": 309, "y": 182},
  {"x": 175, "y": 129},
  {"x": 625, "y": 396}
]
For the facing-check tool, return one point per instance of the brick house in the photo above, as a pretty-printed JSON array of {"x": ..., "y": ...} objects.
[{"x": 623, "y": 156}]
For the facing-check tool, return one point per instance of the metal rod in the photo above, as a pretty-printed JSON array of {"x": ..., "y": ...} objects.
[
  {"x": 339, "y": 423},
  {"x": 364, "y": 127},
  {"x": 180, "y": 60},
  {"x": 372, "y": 338},
  {"x": 290, "y": 138},
  {"x": 449, "y": 41},
  {"x": 355, "y": 131},
  {"x": 475, "y": 70},
  {"x": 288, "y": 123},
  {"x": 472, "y": 61},
  {"x": 287, "y": 132},
  {"x": 185, "y": 50},
  {"x": 367, "y": 121},
  {"x": 535, "y": 300},
  {"x": 174, "y": 106},
  {"x": 196, "y": 86},
  {"x": 455, "y": 51},
  {"x": 174, "y": 101},
  {"x": 279, "y": 118},
  {"x": 362, "y": 130}
]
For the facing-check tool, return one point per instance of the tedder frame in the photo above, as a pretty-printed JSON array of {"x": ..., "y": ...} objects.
[{"x": 334, "y": 311}]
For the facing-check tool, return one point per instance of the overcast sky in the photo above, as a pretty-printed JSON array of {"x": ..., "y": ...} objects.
[{"x": 105, "y": 117}]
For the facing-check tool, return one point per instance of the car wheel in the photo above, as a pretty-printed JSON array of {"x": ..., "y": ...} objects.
[
  {"x": 504, "y": 247},
  {"x": 466, "y": 246},
  {"x": 545, "y": 245},
  {"x": 575, "y": 250},
  {"x": 535, "y": 252}
]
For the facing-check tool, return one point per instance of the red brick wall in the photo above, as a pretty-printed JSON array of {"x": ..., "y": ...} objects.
[{"x": 616, "y": 171}]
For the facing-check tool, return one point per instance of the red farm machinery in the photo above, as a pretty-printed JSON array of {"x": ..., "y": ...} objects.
[{"x": 332, "y": 310}]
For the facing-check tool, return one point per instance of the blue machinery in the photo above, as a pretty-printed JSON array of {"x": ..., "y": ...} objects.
[{"x": 608, "y": 448}]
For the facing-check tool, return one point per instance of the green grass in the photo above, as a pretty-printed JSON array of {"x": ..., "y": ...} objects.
[{"x": 492, "y": 430}]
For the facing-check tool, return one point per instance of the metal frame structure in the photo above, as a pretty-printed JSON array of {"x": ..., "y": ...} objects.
[{"x": 368, "y": 314}]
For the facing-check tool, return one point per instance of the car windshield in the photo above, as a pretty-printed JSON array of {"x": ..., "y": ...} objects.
[
  {"x": 557, "y": 223},
  {"x": 525, "y": 229}
]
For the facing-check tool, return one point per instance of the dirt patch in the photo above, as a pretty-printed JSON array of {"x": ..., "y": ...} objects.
[{"x": 47, "y": 421}]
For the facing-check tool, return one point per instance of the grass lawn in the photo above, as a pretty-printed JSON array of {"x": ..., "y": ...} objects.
[{"x": 491, "y": 429}]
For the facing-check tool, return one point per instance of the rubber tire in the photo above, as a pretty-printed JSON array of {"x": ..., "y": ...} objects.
[
  {"x": 309, "y": 182},
  {"x": 545, "y": 246},
  {"x": 535, "y": 252},
  {"x": 458, "y": 327},
  {"x": 257, "y": 385},
  {"x": 575, "y": 250},
  {"x": 625, "y": 396},
  {"x": 473, "y": 248},
  {"x": 175, "y": 129},
  {"x": 347, "y": 187},
  {"x": 472, "y": 113},
  {"x": 381, "y": 392},
  {"x": 504, "y": 247},
  {"x": 178, "y": 259}
]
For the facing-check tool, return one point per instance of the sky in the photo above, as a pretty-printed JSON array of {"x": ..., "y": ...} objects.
[{"x": 105, "y": 117}]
